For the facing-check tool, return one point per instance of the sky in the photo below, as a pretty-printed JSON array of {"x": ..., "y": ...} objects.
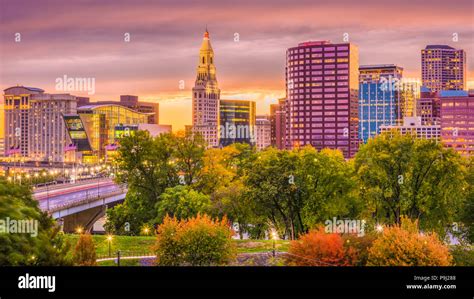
[{"x": 86, "y": 39}]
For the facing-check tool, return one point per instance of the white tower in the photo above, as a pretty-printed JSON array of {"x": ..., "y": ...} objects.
[{"x": 206, "y": 95}]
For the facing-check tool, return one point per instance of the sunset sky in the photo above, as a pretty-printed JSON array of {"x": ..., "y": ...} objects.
[{"x": 86, "y": 39}]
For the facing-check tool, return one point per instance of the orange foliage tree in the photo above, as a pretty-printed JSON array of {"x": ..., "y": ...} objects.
[
  {"x": 84, "y": 252},
  {"x": 197, "y": 241},
  {"x": 318, "y": 248},
  {"x": 404, "y": 245}
]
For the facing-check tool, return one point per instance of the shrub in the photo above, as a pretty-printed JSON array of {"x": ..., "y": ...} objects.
[
  {"x": 405, "y": 246},
  {"x": 198, "y": 241},
  {"x": 463, "y": 255},
  {"x": 318, "y": 248},
  {"x": 84, "y": 252},
  {"x": 358, "y": 246}
]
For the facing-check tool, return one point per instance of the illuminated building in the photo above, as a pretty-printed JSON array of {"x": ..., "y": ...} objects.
[
  {"x": 34, "y": 126},
  {"x": 409, "y": 95},
  {"x": 99, "y": 122},
  {"x": 263, "y": 128},
  {"x": 206, "y": 95},
  {"x": 443, "y": 68},
  {"x": 412, "y": 125},
  {"x": 428, "y": 107},
  {"x": 237, "y": 122},
  {"x": 16, "y": 125},
  {"x": 130, "y": 102},
  {"x": 278, "y": 122},
  {"x": 322, "y": 96},
  {"x": 379, "y": 98},
  {"x": 457, "y": 121}
]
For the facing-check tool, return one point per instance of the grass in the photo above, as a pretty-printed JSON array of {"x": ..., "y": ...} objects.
[{"x": 143, "y": 245}]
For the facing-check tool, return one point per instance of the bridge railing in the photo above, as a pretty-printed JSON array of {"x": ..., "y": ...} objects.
[
  {"x": 86, "y": 200},
  {"x": 127, "y": 253}
]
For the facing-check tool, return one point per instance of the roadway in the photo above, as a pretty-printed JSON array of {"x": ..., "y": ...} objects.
[{"x": 70, "y": 193}]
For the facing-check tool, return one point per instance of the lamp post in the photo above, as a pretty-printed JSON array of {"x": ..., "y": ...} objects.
[
  {"x": 109, "y": 239},
  {"x": 274, "y": 236}
]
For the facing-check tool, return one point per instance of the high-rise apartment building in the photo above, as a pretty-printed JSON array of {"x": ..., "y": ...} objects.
[
  {"x": 206, "y": 95},
  {"x": 322, "y": 96},
  {"x": 443, "y": 68},
  {"x": 379, "y": 98},
  {"x": 237, "y": 122}
]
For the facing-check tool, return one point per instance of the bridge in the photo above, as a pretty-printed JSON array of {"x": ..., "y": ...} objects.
[{"x": 80, "y": 204}]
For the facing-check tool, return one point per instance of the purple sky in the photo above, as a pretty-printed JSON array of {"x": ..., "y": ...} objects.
[{"x": 85, "y": 39}]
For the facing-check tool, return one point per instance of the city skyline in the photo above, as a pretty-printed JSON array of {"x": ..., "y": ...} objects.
[{"x": 88, "y": 41}]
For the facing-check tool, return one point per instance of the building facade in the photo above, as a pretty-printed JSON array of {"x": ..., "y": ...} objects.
[
  {"x": 457, "y": 121},
  {"x": 130, "y": 102},
  {"x": 99, "y": 123},
  {"x": 263, "y": 127},
  {"x": 443, "y": 68},
  {"x": 237, "y": 122},
  {"x": 34, "y": 126},
  {"x": 47, "y": 132},
  {"x": 413, "y": 126},
  {"x": 206, "y": 95},
  {"x": 428, "y": 107},
  {"x": 379, "y": 98},
  {"x": 322, "y": 96}
]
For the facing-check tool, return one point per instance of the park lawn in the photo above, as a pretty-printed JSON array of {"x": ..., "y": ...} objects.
[
  {"x": 134, "y": 262},
  {"x": 142, "y": 245}
]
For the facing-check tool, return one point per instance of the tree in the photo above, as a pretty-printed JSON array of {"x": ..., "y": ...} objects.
[
  {"x": 299, "y": 189},
  {"x": 402, "y": 175},
  {"x": 404, "y": 245},
  {"x": 45, "y": 246},
  {"x": 197, "y": 241},
  {"x": 466, "y": 216},
  {"x": 318, "y": 248},
  {"x": 182, "y": 202},
  {"x": 84, "y": 252},
  {"x": 149, "y": 166}
]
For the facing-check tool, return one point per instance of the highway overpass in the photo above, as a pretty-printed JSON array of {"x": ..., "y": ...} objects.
[{"x": 80, "y": 204}]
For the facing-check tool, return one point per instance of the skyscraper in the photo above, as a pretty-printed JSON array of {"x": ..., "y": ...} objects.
[
  {"x": 379, "y": 98},
  {"x": 443, "y": 68},
  {"x": 322, "y": 96},
  {"x": 206, "y": 95},
  {"x": 278, "y": 124}
]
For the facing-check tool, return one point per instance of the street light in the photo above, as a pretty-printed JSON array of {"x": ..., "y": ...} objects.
[
  {"x": 379, "y": 228},
  {"x": 109, "y": 239},
  {"x": 274, "y": 237},
  {"x": 79, "y": 230}
]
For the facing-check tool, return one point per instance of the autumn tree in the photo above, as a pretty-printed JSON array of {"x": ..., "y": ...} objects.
[
  {"x": 84, "y": 252},
  {"x": 197, "y": 241},
  {"x": 318, "y": 248},
  {"x": 405, "y": 245}
]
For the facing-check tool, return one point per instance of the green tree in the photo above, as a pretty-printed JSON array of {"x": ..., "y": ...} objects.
[
  {"x": 148, "y": 166},
  {"x": 403, "y": 175},
  {"x": 182, "y": 202},
  {"x": 45, "y": 248}
]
